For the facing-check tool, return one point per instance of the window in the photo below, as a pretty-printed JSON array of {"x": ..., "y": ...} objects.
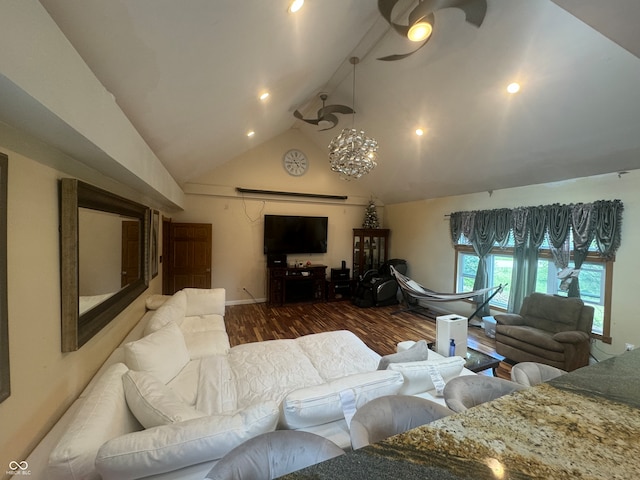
[{"x": 595, "y": 281}]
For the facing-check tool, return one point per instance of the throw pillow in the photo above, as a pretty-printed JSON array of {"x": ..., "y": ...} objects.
[
  {"x": 417, "y": 378},
  {"x": 153, "y": 403},
  {"x": 419, "y": 351},
  {"x": 101, "y": 416},
  {"x": 162, "y": 353},
  {"x": 170, "y": 447}
]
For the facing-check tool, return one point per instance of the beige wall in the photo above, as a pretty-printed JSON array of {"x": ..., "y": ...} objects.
[
  {"x": 421, "y": 235},
  {"x": 238, "y": 259},
  {"x": 44, "y": 381}
]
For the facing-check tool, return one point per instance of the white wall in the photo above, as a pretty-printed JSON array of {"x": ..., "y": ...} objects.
[
  {"x": 238, "y": 221},
  {"x": 421, "y": 235}
]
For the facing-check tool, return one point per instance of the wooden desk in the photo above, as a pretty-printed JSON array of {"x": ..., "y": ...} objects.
[{"x": 289, "y": 284}]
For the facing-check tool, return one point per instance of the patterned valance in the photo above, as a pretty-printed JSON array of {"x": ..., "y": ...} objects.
[{"x": 601, "y": 220}]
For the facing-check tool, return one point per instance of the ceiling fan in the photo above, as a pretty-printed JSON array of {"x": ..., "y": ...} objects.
[
  {"x": 421, "y": 19},
  {"x": 326, "y": 117}
]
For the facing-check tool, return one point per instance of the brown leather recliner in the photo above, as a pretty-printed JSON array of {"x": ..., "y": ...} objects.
[{"x": 549, "y": 329}]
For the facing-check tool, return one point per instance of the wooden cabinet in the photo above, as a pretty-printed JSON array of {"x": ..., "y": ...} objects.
[
  {"x": 370, "y": 249},
  {"x": 287, "y": 285}
]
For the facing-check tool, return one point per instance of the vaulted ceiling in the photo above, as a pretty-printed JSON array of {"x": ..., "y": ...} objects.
[{"x": 188, "y": 74}]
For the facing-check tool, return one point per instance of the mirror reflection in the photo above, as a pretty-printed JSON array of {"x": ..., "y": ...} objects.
[
  {"x": 103, "y": 250},
  {"x": 108, "y": 255}
]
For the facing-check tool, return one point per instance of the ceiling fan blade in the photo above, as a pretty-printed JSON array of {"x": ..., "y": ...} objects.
[
  {"x": 474, "y": 10},
  {"x": 297, "y": 114},
  {"x": 392, "y": 58},
  {"x": 386, "y": 7},
  {"x": 422, "y": 10},
  {"x": 331, "y": 119},
  {"x": 329, "y": 109}
]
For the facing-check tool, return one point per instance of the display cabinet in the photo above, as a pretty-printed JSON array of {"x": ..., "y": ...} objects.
[{"x": 370, "y": 249}]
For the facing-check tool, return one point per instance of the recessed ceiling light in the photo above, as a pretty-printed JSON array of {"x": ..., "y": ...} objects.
[
  {"x": 513, "y": 87},
  {"x": 264, "y": 96},
  {"x": 250, "y": 133},
  {"x": 419, "y": 132},
  {"x": 295, "y": 6}
]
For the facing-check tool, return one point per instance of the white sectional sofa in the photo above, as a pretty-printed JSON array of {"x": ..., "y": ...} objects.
[{"x": 174, "y": 397}]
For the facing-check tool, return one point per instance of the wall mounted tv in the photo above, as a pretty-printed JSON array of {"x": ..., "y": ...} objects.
[{"x": 294, "y": 234}]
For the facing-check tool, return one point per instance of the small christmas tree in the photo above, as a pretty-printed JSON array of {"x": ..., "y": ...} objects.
[{"x": 371, "y": 216}]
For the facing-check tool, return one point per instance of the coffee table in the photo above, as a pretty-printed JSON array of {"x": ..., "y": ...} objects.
[{"x": 478, "y": 361}]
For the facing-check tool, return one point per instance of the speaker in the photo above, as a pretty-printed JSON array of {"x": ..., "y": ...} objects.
[{"x": 277, "y": 260}]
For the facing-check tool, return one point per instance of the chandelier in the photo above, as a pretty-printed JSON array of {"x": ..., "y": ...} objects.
[{"x": 352, "y": 154}]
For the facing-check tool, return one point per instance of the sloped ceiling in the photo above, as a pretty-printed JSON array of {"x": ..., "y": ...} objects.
[{"x": 188, "y": 74}]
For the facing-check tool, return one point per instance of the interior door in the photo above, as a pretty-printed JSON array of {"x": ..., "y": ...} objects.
[
  {"x": 189, "y": 256},
  {"x": 130, "y": 271}
]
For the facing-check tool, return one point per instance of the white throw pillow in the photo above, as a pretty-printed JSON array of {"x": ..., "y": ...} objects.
[
  {"x": 320, "y": 404},
  {"x": 173, "y": 310},
  {"x": 416, "y": 374},
  {"x": 177, "y": 445},
  {"x": 162, "y": 354},
  {"x": 154, "y": 302},
  {"x": 204, "y": 301},
  {"x": 153, "y": 403},
  {"x": 102, "y": 415}
]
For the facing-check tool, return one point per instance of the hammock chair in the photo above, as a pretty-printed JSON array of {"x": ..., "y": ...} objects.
[{"x": 413, "y": 290}]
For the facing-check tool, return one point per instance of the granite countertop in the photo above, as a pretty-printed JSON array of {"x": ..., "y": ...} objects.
[{"x": 585, "y": 424}]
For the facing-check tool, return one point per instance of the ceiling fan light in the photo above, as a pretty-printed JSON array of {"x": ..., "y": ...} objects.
[{"x": 419, "y": 31}]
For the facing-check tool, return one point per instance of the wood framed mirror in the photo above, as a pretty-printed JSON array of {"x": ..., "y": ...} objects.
[
  {"x": 5, "y": 380},
  {"x": 103, "y": 250}
]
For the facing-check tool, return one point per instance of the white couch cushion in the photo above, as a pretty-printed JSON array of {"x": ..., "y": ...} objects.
[
  {"x": 320, "y": 404},
  {"x": 205, "y": 335},
  {"x": 417, "y": 377},
  {"x": 153, "y": 403},
  {"x": 185, "y": 384},
  {"x": 269, "y": 370},
  {"x": 216, "y": 386},
  {"x": 338, "y": 353},
  {"x": 162, "y": 353},
  {"x": 103, "y": 415},
  {"x": 201, "y": 301},
  {"x": 172, "y": 310},
  {"x": 171, "y": 447}
]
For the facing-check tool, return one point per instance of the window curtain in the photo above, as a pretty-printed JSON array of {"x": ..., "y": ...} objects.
[
  {"x": 529, "y": 226},
  {"x": 482, "y": 239},
  {"x": 601, "y": 220},
  {"x": 583, "y": 233}
]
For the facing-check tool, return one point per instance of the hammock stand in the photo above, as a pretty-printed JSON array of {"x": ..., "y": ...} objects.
[{"x": 413, "y": 290}]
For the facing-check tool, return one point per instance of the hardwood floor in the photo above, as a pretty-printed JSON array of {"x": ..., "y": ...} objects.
[{"x": 379, "y": 327}]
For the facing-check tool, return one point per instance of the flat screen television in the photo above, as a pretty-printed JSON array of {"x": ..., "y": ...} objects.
[{"x": 294, "y": 234}]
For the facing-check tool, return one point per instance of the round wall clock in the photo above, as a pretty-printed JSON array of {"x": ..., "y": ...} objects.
[{"x": 295, "y": 162}]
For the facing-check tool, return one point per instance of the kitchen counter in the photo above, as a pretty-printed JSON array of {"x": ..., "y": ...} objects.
[{"x": 585, "y": 424}]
